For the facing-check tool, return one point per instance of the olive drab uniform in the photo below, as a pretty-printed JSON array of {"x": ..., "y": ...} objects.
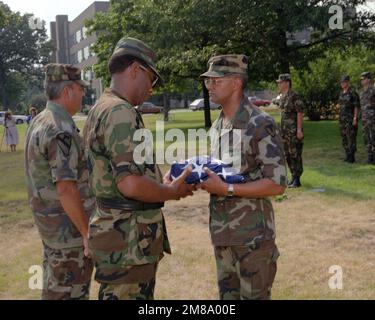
[
  {"x": 367, "y": 98},
  {"x": 127, "y": 238},
  {"x": 348, "y": 101},
  {"x": 54, "y": 152},
  {"x": 291, "y": 105}
]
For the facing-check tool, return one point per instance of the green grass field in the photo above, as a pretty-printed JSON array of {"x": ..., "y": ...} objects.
[{"x": 330, "y": 220}]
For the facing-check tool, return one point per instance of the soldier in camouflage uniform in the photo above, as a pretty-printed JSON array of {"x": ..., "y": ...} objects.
[
  {"x": 57, "y": 179},
  {"x": 291, "y": 127},
  {"x": 127, "y": 232},
  {"x": 367, "y": 98},
  {"x": 242, "y": 223},
  {"x": 348, "y": 119}
]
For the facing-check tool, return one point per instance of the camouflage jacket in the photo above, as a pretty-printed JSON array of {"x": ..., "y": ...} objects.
[
  {"x": 348, "y": 101},
  {"x": 290, "y": 105},
  {"x": 119, "y": 238},
  {"x": 367, "y": 98},
  {"x": 241, "y": 221},
  {"x": 54, "y": 152}
]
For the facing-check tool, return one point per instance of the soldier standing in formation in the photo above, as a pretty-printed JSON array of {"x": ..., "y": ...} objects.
[
  {"x": 367, "y": 98},
  {"x": 57, "y": 179},
  {"x": 127, "y": 232},
  {"x": 291, "y": 128},
  {"x": 348, "y": 118},
  {"x": 242, "y": 223}
]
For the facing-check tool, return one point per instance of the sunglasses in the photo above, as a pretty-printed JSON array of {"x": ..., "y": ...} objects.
[{"x": 154, "y": 79}]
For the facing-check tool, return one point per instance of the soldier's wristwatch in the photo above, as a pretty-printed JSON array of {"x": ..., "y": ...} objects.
[{"x": 230, "y": 190}]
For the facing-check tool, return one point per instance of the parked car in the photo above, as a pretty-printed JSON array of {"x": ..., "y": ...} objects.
[
  {"x": 18, "y": 118},
  {"x": 198, "y": 104},
  {"x": 259, "y": 102},
  {"x": 148, "y": 107}
]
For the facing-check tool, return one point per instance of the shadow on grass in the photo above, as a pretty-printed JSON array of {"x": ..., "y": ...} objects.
[
  {"x": 341, "y": 180},
  {"x": 336, "y": 192}
]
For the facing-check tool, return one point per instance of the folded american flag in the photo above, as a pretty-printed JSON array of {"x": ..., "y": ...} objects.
[{"x": 225, "y": 171}]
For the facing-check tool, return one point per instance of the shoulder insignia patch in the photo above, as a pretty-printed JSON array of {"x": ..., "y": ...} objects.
[{"x": 64, "y": 142}]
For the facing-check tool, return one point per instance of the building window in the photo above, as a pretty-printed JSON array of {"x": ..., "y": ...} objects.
[
  {"x": 92, "y": 53},
  {"x": 88, "y": 75},
  {"x": 80, "y": 56},
  {"x": 79, "y": 36},
  {"x": 84, "y": 32},
  {"x": 86, "y": 53}
]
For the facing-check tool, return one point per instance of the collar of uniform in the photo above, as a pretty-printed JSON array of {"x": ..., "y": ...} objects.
[
  {"x": 241, "y": 117},
  {"x": 59, "y": 110},
  {"x": 287, "y": 94},
  {"x": 114, "y": 92}
]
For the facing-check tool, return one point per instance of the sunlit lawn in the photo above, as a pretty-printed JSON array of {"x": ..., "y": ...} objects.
[{"x": 329, "y": 218}]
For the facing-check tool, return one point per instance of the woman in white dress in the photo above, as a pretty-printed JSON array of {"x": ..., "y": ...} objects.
[{"x": 11, "y": 131}]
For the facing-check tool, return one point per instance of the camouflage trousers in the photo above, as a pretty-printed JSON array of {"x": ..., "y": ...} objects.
[
  {"x": 348, "y": 133},
  {"x": 368, "y": 120},
  {"x": 66, "y": 274},
  {"x": 246, "y": 273},
  {"x": 137, "y": 283},
  {"x": 293, "y": 153}
]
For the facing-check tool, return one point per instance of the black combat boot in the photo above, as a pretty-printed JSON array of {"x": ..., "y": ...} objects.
[
  {"x": 291, "y": 182},
  {"x": 351, "y": 158},
  {"x": 296, "y": 183}
]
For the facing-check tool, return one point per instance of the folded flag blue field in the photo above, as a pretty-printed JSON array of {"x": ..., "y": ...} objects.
[{"x": 225, "y": 171}]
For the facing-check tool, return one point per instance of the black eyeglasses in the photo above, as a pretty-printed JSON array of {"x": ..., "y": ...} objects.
[{"x": 215, "y": 81}]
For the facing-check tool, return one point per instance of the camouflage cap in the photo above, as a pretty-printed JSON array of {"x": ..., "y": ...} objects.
[
  {"x": 284, "y": 77},
  {"x": 138, "y": 49},
  {"x": 56, "y": 72},
  {"x": 366, "y": 75},
  {"x": 345, "y": 78},
  {"x": 220, "y": 66}
]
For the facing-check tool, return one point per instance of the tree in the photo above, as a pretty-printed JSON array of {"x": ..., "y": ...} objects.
[
  {"x": 185, "y": 34},
  {"x": 2, "y": 17},
  {"x": 319, "y": 84},
  {"x": 15, "y": 87},
  {"x": 23, "y": 50},
  {"x": 38, "y": 101}
]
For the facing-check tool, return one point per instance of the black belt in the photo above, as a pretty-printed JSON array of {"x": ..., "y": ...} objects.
[{"x": 127, "y": 204}]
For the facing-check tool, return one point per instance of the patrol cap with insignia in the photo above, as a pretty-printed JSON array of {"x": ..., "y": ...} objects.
[
  {"x": 284, "y": 77},
  {"x": 345, "y": 78},
  {"x": 138, "y": 49},
  {"x": 220, "y": 66},
  {"x": 366, "y": 75},
  {"x": 56, "y": 72}
]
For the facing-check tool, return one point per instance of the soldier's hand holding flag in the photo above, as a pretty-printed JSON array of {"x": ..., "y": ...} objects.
[
  {"x": 181, "y": 187},
  {"x": 214, "y": 184},
  {"x": 205, "y": 172}
]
